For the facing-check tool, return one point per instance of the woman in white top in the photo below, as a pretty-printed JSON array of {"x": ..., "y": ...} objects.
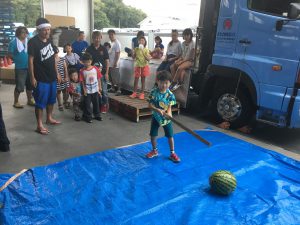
[
  {"x": 185, "y": 61},
  {"x": 174, "y": 51}
]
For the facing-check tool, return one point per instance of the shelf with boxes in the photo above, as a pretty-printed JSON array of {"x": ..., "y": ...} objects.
[
  {"x": 7, "y": 28},
  {"x": 7, "y": 33}
]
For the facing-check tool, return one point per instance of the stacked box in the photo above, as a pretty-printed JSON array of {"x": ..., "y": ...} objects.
[{"x": 7, "y": 28}]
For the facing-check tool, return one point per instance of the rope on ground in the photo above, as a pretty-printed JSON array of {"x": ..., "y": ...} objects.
[{"x": 12, "y": 179}]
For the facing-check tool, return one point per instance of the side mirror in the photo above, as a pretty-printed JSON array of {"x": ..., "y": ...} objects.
[
  {"x": 294, "y": 10},
  {"x": 293, "y": 14},
  {"x": 279, "y": 25}
]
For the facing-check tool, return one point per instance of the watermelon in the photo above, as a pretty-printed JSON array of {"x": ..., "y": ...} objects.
[{"x": 222, "y": 182}]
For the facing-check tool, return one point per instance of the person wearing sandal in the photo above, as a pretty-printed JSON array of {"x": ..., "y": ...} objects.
[
  {"x": 17, "y": 50},
  {"x": 43, "y": 74}
]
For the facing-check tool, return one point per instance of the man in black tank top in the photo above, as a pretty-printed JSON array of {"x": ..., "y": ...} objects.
[{"x": 43, "y": 73}]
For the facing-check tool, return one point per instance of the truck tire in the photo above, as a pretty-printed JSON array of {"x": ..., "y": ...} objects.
[{"x": 225, "y": 106}]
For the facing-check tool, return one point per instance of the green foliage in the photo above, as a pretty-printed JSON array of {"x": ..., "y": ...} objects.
[
  {"x": 100, "y": 18},
  {"x": 107, "y": 13},
  {"x": 26, "y": 11},
  {"x": 114, "y": 13}
]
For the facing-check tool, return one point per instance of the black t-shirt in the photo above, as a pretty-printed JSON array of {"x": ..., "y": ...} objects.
[
  {"x": 44, "y": 59},
  {"x": 99, "y": 55}
]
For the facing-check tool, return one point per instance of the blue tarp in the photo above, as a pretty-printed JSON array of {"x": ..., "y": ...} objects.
[{"x": 121, "y": 186}]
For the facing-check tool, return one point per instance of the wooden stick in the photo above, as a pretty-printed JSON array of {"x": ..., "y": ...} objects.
[
  {"x": 12, "y": 179},
  {"x": 188, "y": 130}
]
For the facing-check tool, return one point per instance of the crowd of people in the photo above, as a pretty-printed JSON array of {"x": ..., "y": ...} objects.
[{"x": 81, "y": 76}]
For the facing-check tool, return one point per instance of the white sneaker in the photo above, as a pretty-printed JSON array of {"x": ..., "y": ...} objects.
[{"x": 175, "y": 87}]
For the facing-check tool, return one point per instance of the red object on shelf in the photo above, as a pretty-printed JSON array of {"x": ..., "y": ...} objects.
[
  {"x": 9, "y": 61},
  {"x": 1, "y": 62},
  {"x": 5, "y": 62}
]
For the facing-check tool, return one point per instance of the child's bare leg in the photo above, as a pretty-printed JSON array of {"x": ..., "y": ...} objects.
[
  {"x": 181, "y": 76},
  {"x": 66, "y": 98},
  {"x": 136, "y": 82},
  {"x": 182, "y": 70},
  {"x": 173, "y": 69},
  {"x": 175, "y": 79},
  {"x": 59, "y": 100},
  {"x": 153, "y": 152},
  {"x": 143, "y": 79},
  {"x": 65, "y": 95},
  {"x": 171, "y": 144},
  {"x": 154, "y": 142},
  {"x": 173, "y": 156},
  {"x": 153, "y": 134}
]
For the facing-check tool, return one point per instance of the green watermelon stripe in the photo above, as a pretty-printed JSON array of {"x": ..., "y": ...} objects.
[
  {"x": 222, "y": 182},
  {"x": 230, "y": 181},
  {"x": 220, "y": 188}
]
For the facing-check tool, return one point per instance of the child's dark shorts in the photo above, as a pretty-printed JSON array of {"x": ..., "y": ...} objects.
[{"x": 155, "y": 126}]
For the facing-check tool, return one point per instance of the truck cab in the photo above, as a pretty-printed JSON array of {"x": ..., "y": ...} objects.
[{"x": 247, "y": 63}]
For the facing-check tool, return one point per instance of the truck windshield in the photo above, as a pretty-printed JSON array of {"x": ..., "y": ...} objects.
[{"x": 274, "y": 7}]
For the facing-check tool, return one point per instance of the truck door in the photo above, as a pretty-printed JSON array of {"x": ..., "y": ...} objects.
[{"x": 272, "y": 55}]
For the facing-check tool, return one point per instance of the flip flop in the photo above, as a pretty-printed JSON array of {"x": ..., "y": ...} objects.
[
  {"x": 42, "y": 131},
  {"x": 224, "y": 125},
  {"x": 60, "y": 108},
  {"x": 55, "y": 122},
  {"x": 18, "y": 106},
  {"x": 245, "y": 129},
  {"x": 67, "y": 105}
]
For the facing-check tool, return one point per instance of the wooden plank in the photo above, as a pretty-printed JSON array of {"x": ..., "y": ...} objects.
[
  {"x": 133, "y": 109},
  {"x": 130, "y": 100}
]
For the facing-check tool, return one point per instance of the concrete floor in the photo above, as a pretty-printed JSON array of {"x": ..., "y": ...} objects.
[{"x": 72, "y": 139}]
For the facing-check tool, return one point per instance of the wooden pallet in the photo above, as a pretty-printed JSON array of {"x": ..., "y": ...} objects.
[{"x": 133, "y": 109}]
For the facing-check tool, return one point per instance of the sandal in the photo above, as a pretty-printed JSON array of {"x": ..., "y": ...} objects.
[
  {"x": 245, "y": 129},
  {"x": 54, "y": 122},
  {"x": 31, "y": 102},
  {"x": 43, "y": 131},
  {"x": 17, "y": 105},
  {"x": 60, "y": 108},
  {"x": 67, "y": 105},
  {"x": 224, "y": 125}
]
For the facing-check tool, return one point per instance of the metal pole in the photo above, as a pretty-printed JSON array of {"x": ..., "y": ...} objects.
[
  {"x": 67, "y": 7},
  {"x": 199, "y": 34},
  {"x": 42, "y": 9},
  {"x": 91, "y": 6}
]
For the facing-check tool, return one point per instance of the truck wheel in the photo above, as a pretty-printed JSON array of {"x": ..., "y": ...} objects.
[{"x": 225, "y": 106}]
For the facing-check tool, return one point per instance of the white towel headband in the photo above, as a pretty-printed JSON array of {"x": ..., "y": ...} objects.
[{"x": 43, "y": 25}]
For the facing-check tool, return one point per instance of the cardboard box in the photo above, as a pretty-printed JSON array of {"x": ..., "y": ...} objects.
[
  {"x": 60, "y": 21},
  {"x": 7, "y": 74}
]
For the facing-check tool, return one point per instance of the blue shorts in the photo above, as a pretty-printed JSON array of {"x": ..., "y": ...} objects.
[{"x": 44, "y": 94}]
